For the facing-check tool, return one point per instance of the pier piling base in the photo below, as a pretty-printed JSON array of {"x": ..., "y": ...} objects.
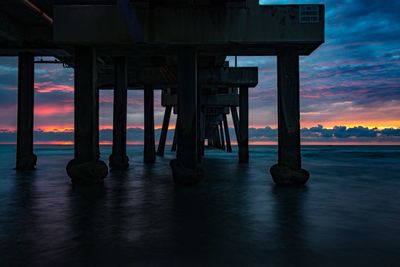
[
  {"x": 119, "y": 162},
  {"x": 185, "y": 176},
  {"x": 27, "y": 162},
  {"x": 91, "y": 172},
  {"x": 284, "y": 176}
]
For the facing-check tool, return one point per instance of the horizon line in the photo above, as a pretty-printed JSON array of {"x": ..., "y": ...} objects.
[
  {"x": 70, "y": 130},
  {"x": 257, "y": 143}
]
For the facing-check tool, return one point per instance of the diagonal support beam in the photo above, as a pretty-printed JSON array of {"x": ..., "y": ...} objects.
[
  {"x": 227, "y": 136},
  {"x": 164, "y": 131}
]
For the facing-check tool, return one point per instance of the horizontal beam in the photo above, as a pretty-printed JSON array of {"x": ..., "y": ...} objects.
[
  {"x": 9, "y": 30},
  {"x": 228, "y": 77},
  {"x": 221, "y": 100},
  {"x": 131, "y": 20},
  {"x": 231, "y": 77},
  {"x": 263, "y": 27},
  {"x": 226, "y": 100}
]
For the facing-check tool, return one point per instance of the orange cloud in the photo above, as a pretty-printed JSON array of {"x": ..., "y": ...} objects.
[
  {"x": 56, "y": 128},
  {"x": 380, "y": 124}
]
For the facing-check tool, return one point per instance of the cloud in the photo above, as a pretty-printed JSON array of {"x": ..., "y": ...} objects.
[{"x": 48, "y": 87}]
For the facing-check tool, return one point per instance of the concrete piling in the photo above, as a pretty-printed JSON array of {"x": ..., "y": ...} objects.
[
  {"x": 288, "y": 171},
  {"x": 118, "y": 159},
  {"x": 221, "y": 133},
  {"x": 185, "y": 167},
  {"x": 235, "y": 119},
  {"x": 26, "y": 159},
  {"x": 149, "y": 143},
  {"x": 175, "y": 140},
  {"x": 86, "y": 166},
  {"x": 244, "y": 125}
]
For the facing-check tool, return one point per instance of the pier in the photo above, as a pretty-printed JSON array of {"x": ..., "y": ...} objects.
[{"x": 176, "y": 48}]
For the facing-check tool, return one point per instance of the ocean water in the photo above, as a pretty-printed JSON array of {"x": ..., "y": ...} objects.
[{"x": 347, "y": 215}]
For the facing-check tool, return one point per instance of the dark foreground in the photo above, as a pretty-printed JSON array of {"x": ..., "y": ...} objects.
[{"x": 348, "y": 214}]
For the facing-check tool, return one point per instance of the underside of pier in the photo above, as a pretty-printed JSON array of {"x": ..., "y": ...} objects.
[{"x": 176, "y": 46}]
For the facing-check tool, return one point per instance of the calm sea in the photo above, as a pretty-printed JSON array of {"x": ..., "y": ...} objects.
[{"x": 347, "y": 215}]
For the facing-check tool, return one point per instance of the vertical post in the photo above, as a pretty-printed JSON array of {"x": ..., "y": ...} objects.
[
  {"x": 149, "y": 143},
  {"x": 185, "y": 168},
  {"x": 227, "y": 136},
  {"x": 217, "y": 137},
  {"x": 288, "y": 170},
  {"x": 235, "y": 119},
  {"x": 97, "y": 122},
  {"x": 210, "y": 138},
  {"x": 244, "y": 125},
  {"x": 200, "y": 127},
  {"x": 26, "y": 160},
  {"x": 221, "y": 133},
  {"x": 118, "y": 159},
  {"x": 203, "y": 133},
  {"x": 175, "y": 140},
  {"x": 164, "y": 131},
  {"x": 85, "y": 167}
]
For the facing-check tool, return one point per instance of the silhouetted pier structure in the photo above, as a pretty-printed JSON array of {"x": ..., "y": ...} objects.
[
  {"x": 177, "y": 46},
  {"x": 219, "y": 93}
]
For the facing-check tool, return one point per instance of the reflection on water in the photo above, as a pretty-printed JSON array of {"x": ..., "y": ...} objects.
[{"x": 347, "y": 216}]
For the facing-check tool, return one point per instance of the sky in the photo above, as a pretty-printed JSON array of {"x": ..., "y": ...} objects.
[{"x": 350, "y": 86}]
